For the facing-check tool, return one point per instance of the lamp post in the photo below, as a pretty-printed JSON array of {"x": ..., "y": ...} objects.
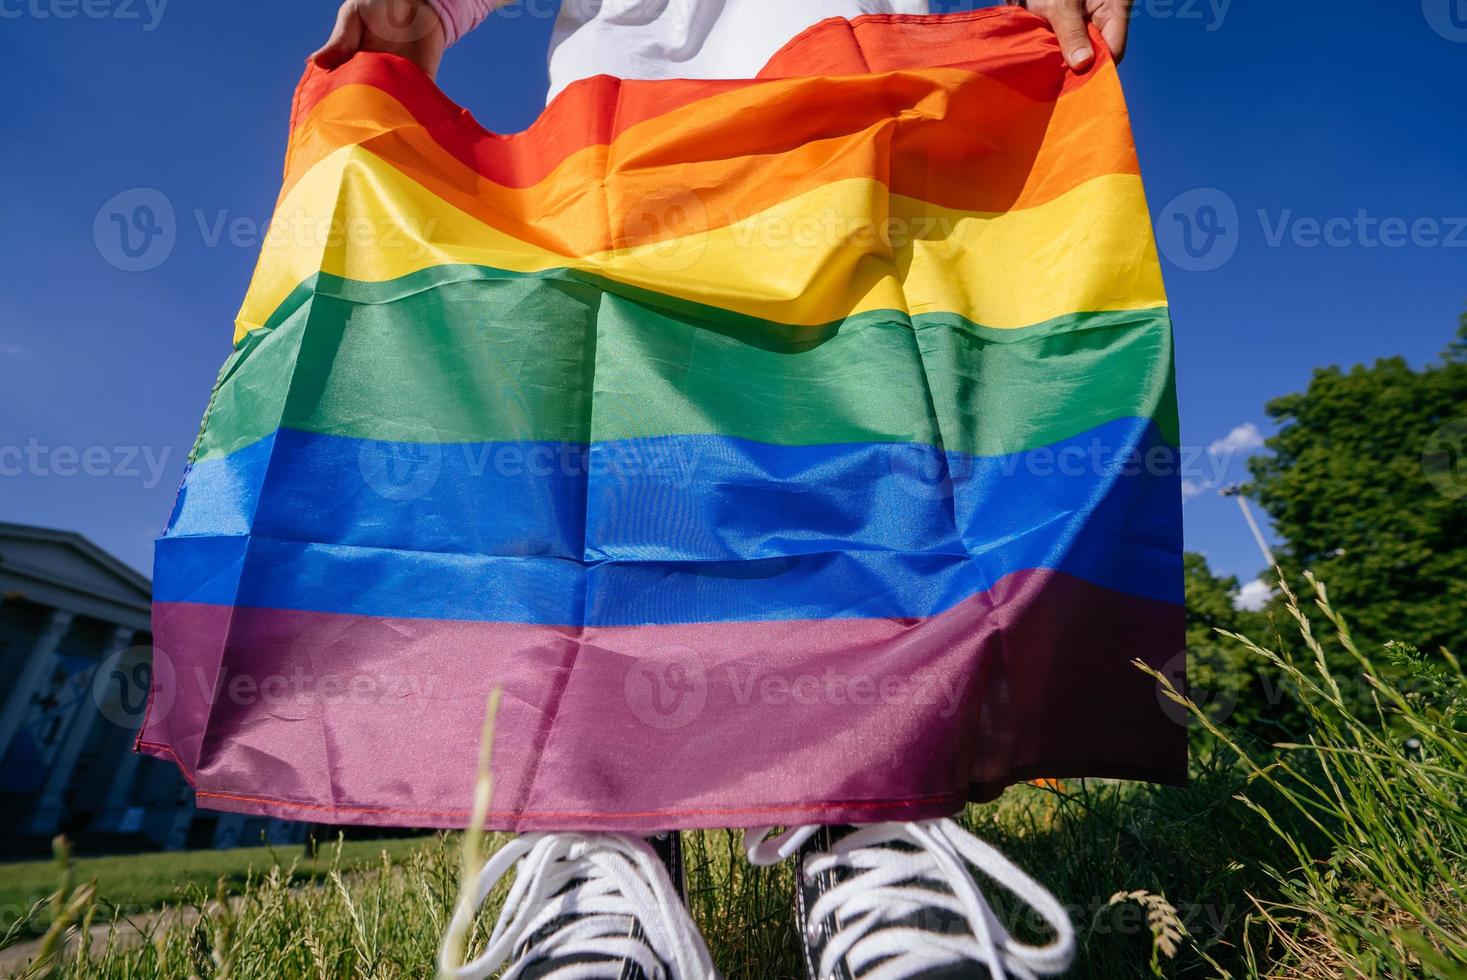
[{"x": 1236, "y": 492}]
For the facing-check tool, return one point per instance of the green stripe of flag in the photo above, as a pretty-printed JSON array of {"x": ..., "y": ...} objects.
[{"x": 466, "y": 354}]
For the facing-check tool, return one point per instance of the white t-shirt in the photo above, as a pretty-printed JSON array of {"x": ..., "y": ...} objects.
[{"x": 688, "y": 38}]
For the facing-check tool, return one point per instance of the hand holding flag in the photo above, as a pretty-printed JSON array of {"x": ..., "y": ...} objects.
[{"x": 408, "y": 28}]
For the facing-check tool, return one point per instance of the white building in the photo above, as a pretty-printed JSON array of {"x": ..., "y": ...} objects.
[{"x": 75, "y": 651}]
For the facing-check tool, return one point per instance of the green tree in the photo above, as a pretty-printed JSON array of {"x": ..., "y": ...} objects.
[
  {"x": 1222, "y": 675},
  {"x": 1367, "y": 484},
  {"x": 1210, "y": 603},
  {"x": 1456, "y": 352}
]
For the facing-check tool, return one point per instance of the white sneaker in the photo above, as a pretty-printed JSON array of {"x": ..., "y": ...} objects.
[
  {"x": 587, "y": 907},
  {"x": 896, "y": 901}
]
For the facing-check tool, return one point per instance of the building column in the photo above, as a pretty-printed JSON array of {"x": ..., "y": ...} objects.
[
  {"x": 228, "y": 831},
  {"x": 51, "y": 804},
  {"x": 278, "y": 831},
  {"x": 37, "y": 668},
  {"x": 175, "y": 838},
  {"x": 119, "y": 792},
  {"x": 123, "y": 765}
]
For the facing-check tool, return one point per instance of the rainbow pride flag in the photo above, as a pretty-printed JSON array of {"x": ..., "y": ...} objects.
[{"x": 794, "y": 449}]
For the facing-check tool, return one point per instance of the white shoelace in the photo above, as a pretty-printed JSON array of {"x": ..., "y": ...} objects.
[
  {"x": 620, "y": 882},
  {"x": 888, "y": 885}
]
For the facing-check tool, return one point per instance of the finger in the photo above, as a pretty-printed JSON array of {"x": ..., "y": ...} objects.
[
  {"x": 1115, "y": 28},
  {"x": 1068, "y": 20},
  {"x": 345, "y": 40}
]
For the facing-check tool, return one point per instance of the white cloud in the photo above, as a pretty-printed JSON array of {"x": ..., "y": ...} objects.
[
  {"x": 1191, "y": 489},
  {"x": 1243, "y": 439},
  {"x": 1253, "y": 596}
]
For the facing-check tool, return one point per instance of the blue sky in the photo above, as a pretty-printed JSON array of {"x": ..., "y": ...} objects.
[{"x": 1308, "y": 172}]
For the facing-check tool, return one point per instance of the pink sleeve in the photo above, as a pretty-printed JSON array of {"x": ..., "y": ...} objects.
[{"x": 461, "y": 16}]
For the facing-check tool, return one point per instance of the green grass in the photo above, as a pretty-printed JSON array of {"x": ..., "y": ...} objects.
[
  {"x": 1342, "y": 853},
  {"x": 136, "y": 883}
]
